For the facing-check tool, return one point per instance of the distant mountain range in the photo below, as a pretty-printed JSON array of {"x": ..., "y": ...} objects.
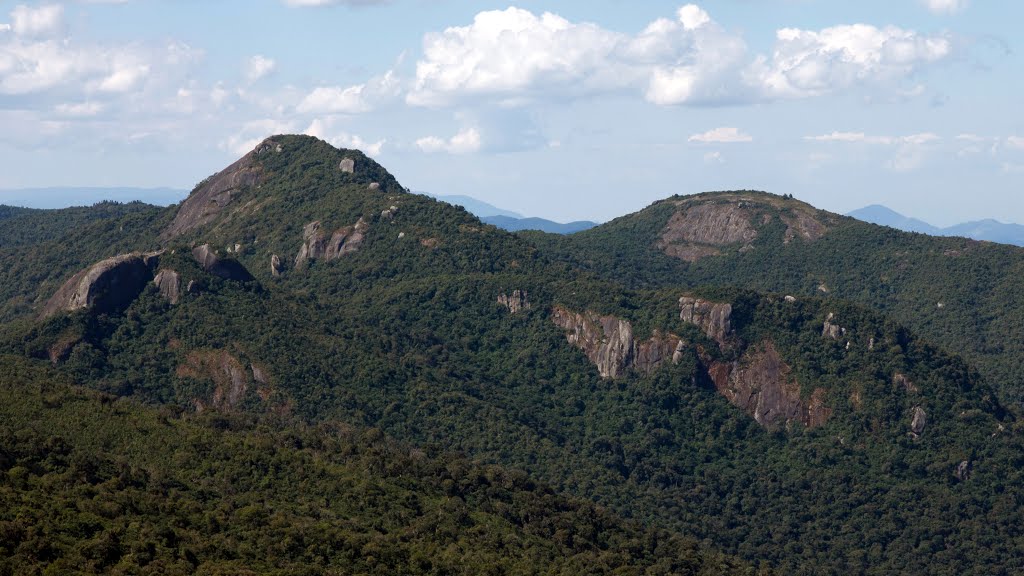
[
  {"x": 990, "y": 230},
  {"x": 512, "y": 221},
  {"x": 62, "y": 197}
]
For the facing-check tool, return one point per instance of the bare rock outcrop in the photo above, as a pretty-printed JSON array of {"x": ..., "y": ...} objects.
[
  {"x": 713, "y": 318},
  {"x": 705, "y": 226},
  {"x": 347, "y": 165},
  {"x": 107, "y": 286},
  {"x": 963, "y": 470},
  {"x": 608, "y": 342},
  {"x": 516, "y": 302},
  {"x": 316, "y": 245},
  {"x": 918, "y": 420},
  {"x": 168, "y": 282},
  {"x": 215, "y": 193},
  {"x": 761, "y": 384},
  {"x": 902, "y": 381},
  {"x": 225, "y": 268},
  {"x": 230, "y": 379},
  {"x": 708, "y": 226},
  {"x": 830, "y": 329},
  {"x": 276, "y": 266}
]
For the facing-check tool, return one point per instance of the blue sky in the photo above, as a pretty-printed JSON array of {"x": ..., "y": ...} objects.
[{"x": 569, "y": 110}]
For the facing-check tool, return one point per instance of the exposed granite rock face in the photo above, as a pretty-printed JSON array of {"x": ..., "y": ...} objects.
[
  {"x": 109, "y": 285},
  {"x": 902, "y": 381},
  {"x": 276, "y": 267},
  {"x": 830, "y": 329},
  {"x": 347, "y": 165},
  {"x": 714, "y": 318},
  {"x": 516, "y": 302},
  {"x": 704, "y": 226},
  {"x": 225, "y": 268},
  {"x": 215, "y": 193},
  {"x": 316, "y": 245},
  {"x": 169, "y": 283},
  {"x": 708, "y": 226},
  {"x": 963, "y": 470},
  {"x": 918, "y": 420},
  {"x": 760, "y": 384},
  {"x": 227, "y": 373},
  {"x": 608, "y": 342}
]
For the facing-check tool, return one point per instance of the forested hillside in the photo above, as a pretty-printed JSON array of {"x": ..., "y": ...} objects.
[
  {"x": 962, "y": 294},
  {"x": 625, "y": 366}
]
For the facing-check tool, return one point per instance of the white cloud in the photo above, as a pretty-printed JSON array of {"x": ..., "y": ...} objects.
[
  {"x": 806, "y": 63},
  {"x": 126, "y": 75},
  {"x": 723, "y": 135},
  {"x": 324, "y": 128},
  {"x": 514, "y": 56},
  {"x": 1015, "y": 142},
  {"x": 45, "y": 20},
  {"x": 464, "y": 142},
  {"x": 258, "y": 67},
  {"x": 353, "y": 99},
  {"x": 860, "y": 137},
  {"x": 945, "y": 6},
  {"x": 254, "y": 132},
  {"x": 79, "y": 109},
  {"x": 714, "y": 158},
  {"x": 970, "y": 138}
]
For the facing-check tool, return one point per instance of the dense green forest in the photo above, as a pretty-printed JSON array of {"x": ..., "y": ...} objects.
[
  {"x": 91, "y": 484},
  {"x": 387, "y": 315},
  {"x": 959, "y": 293}
]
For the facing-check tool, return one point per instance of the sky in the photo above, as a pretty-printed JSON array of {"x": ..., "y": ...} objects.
[{"x": 570, "y": 110}]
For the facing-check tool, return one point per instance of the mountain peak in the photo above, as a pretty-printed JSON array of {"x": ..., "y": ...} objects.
[{"x": 300, "y": 167}]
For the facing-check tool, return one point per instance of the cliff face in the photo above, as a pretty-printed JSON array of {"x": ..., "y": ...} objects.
[
  {"x": 230, "y": 378},
  {"x": 316, "y": 245},
  {"x": 608, "y": 342},
  {"x": 760, "y": 383},
  {"x": 713, "y": 318},
  {"x": 214, "y": 194},
  {"x": 702, "y": 226},
  {"x": 107, "y": 286}
]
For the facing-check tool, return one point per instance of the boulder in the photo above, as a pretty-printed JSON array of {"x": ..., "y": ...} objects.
[
  {"x": 347, "y": 165},
  {"x": 225, "y": 268},
  {"x": 168, "y": 282},
  {"x": 276, "y": 267},
  {"x": 918, "y": 420},
  {"x": 107, "y": 286}
]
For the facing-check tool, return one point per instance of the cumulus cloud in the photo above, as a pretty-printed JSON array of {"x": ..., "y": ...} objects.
[
  {"x": 724, "y": 135},
  {"x": 807, "y": 63},
  {"x": 515, "y": 55},
  {"x": 325, "y": 129},
  {"x": 465, "y": 142},
  {"x": 355, "y": 99},
  {"x": 254, "y": 132},
  {"x": 34, "y": 59},
  {"x": 945, "y": 6},
  {"x": 258, "y": 67},
  {"x": 44, "y": 20}
]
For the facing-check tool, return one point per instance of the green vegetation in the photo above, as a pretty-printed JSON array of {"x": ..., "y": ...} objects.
[
  {"x": 405, "y": 336},
  {"x": 961, "y": 294},
  {"x": 94, "y": 484}
]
